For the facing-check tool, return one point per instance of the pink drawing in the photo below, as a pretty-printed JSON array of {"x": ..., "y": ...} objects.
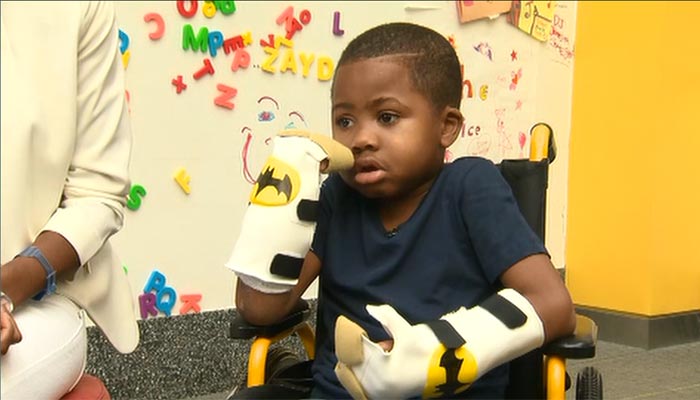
[
  {"x": 561, "y": 43},
  {"x": 128, "y": 99},
  {"x": 522, "y": 139},
  {"x": 515, "y": 78},
  {"x": 479, "y": 146},
  {"x": 503, "y": 141},
  {"x": 518, "y": 104},
  {"x": 244, "y": 155},
  {"x": 266, "y": 116}
]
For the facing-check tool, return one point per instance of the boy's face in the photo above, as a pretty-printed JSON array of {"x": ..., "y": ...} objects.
[{"x": 394, "y": 132}]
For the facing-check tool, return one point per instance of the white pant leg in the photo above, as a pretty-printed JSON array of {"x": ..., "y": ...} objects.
[{"x": 51, "y": 357}]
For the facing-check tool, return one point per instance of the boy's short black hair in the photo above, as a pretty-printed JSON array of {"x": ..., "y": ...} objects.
[{"x": 430, "y": 58}]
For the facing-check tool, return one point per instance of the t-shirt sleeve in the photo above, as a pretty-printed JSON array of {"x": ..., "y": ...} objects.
[
  {"x": 498, "y": 231},
  {"x": 325, "y": 209}
]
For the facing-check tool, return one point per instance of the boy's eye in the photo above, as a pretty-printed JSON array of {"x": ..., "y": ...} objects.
[
  {"x": 388, "y": 118},
  {"x": 343, "y": 122}
]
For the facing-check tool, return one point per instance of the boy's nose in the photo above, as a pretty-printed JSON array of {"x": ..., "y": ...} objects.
[{"x": 364, "y": 139}]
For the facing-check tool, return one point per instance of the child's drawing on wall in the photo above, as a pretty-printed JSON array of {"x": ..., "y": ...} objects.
[{"x": 270, "y": 118}]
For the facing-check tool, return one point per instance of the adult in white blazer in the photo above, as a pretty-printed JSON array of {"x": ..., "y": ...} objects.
[{"x": 66, "y": 144}]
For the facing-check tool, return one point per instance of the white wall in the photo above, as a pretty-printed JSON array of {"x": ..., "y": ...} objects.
[{"x": 189, "y": 237}]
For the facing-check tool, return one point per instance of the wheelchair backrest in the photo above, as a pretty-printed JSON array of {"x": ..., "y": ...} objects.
[{"x": 528, "y": 181}]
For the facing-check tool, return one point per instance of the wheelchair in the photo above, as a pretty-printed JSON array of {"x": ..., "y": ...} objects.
[{"x": 539, "y": 374}]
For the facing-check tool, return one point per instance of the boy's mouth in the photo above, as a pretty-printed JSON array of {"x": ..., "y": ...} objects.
[{"x": 368, "y": 171}]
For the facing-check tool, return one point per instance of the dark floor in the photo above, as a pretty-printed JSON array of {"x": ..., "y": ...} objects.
[{"x": 670, "y": 373}]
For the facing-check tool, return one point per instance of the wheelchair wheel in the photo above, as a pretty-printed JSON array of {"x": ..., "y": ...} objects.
[
  {"x": 589, "y": 384},
  {"x": 279, "y": 359}
]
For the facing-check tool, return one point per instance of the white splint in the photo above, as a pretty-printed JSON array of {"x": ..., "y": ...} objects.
[
  {"x": 435, "y": 359},
  {"x": 278, "y": 225}
]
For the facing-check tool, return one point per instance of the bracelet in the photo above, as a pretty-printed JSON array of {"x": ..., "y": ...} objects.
[
  {"x": 7, "y": 300},
  {"x": 33, "y": 251}
]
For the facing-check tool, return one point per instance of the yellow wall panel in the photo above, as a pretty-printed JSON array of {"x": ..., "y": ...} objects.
[{"x": 633, "y": 230}]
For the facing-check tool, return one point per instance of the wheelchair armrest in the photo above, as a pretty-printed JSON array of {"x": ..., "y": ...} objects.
[
  {"x": 240, "y": 329},
  {"x": 581, "y": 344}
]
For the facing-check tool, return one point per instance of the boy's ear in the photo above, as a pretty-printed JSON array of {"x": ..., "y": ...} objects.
[{"x": 452, "y": 120}]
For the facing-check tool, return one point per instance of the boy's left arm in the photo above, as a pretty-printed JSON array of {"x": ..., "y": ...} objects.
[
  {"x": 536, "y": 279},
  {"x": 444, "y": 357}
]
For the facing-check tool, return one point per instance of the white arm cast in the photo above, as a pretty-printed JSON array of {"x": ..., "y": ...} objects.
[
  {"x": 439, "y": 358},
  {"x": 276, "y": 231}
]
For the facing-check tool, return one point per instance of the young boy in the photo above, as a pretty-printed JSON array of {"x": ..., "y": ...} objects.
[{"x": 403, "y": 240}]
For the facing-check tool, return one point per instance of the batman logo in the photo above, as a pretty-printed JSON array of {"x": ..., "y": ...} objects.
[
  {"x": 451, "y": 371},
  {"x": 266, "y": 179},
  {"x": 277, "y": 184}
]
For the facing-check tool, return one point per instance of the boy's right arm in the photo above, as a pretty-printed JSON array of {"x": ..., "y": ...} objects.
[{"x": 260, "y": 308}]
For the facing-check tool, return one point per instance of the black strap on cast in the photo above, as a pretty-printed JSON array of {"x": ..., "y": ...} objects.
[
  {"x": 504, "y": 310},
  {"x": 286, "y": 266},
  {"x": 446, "y": 334}
]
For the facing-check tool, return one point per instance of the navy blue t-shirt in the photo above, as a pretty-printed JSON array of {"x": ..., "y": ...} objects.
[{"x": 449, "y": 253}]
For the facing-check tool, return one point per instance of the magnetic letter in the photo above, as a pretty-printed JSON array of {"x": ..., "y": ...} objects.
[
  {"x": 216, "y": 38},
  {"x": 189, "y": 41},
  {"x": 270, "y": 41},
  {"x": 324, "y": 68},
  {"x": 133, "y": 201},
  {"x": 147, "y": 304},
  {"x": 336, "y": 24},
  {"x": 190, "y": 302},
  {"x": 124, "y": 38},
  {"x": 267, "y": 64},
  {"x": 226, "y": 7},
  {"x": 179, "y": 84},
  {"x": 182, "y": 179},
  {"x": 209, "y": 9},
  {"x": 206, "y": 69},
  {"x": 156, "y": 282},
  {"x": 223, "y": 99},
  {"x": 232, "y": 44},
  {"x": 306, "y": 62},
  {"x": 166, "y": 306},
  {"x": 160, "y": 25},
  {"x": 187, "y": 13},
  {"x": 241, "y": 59},
  {"x": 288, "y": 62},
  {"x": 305, "y": 17}
]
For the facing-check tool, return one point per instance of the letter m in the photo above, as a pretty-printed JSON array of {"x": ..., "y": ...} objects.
[{"x": 189, "y": 41}]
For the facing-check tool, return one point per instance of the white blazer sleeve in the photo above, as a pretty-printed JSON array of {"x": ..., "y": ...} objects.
[{"x": 92, "y": 208}]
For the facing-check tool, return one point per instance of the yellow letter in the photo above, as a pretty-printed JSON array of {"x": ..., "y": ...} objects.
[
  {"x": 325, "y": 68},
  {"x": 306, "y": 63},
  {"x": 267, "y": 65},
  {"x": 288, "y": 61},
  {"x": 183, "y": 179}
]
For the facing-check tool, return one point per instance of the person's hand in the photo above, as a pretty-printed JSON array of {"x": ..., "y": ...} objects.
[{"x": 9, "y": 332}]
